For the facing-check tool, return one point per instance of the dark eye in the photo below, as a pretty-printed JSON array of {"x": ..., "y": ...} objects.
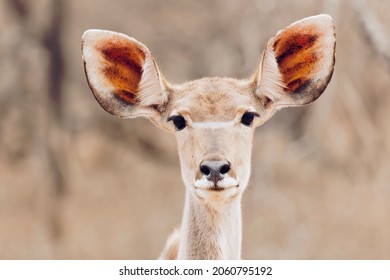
[
  {"x": 178, "y": 121},
  {"x": 247, "y": 118}
]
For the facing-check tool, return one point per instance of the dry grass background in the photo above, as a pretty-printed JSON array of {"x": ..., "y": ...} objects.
[{"x": 77, "y": 183}]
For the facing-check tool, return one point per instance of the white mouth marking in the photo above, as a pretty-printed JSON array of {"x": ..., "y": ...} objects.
[
  {"x": 213, "y": 125},
  {"x": 203, "y": 183},
  {"x": 225, "y": 183}
]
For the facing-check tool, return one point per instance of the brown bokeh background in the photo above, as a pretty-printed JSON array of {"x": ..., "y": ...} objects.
[{"x": 77, "y": 183}]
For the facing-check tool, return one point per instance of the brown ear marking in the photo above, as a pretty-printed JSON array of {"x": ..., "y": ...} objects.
[
  {"x": 123, "y": 68},
  {"x": 298, "y": 54}
]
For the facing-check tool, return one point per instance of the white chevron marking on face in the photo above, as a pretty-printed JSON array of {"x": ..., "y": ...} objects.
[{"x": 213, "y": 125}]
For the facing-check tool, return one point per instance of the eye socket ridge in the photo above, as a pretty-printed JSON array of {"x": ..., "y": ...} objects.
[
  {"x": 248, "y": 117},
  {"x": 179, "y": 122}
]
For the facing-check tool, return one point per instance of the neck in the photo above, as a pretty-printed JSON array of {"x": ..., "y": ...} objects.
[{"x": 210, "y": 231}]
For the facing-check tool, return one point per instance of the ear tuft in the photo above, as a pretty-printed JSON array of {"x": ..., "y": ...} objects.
[{"x": 298, "y": 62}]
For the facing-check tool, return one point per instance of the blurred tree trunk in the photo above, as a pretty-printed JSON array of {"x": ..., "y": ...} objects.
[
  {"x": 55, "y": 146},
  {"x": 51, "y": 139}
]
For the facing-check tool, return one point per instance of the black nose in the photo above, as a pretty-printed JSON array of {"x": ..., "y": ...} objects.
[{"x": 214, "y": 170}]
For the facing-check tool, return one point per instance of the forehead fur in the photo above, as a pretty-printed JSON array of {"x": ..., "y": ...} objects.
[{"x": 212, "y": 98}]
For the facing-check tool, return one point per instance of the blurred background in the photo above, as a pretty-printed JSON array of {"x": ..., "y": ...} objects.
[{"x": 78, "y": 183}]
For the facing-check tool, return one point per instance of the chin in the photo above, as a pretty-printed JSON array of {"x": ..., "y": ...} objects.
[{"x": 218, "y": 195}]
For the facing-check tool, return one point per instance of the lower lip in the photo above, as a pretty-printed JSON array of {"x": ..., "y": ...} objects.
[{"x": 217, "y": 189}]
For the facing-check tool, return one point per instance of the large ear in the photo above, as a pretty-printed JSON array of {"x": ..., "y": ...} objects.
[
  {"x": 297, "y": 64},
  {"x": 122, "y": 75}
]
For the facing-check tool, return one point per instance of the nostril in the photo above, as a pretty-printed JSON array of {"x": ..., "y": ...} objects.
[
  {"x": 205, "y": 170},
  {"x": 225, "y": 168}
]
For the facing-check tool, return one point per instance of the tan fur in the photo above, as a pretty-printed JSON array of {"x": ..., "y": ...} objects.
[
  {"x": 124, "y": 78},
  {"x": 171, "y": 249}
]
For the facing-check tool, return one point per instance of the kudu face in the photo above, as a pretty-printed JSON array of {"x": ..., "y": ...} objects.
[{"x": 213, "y": 118}]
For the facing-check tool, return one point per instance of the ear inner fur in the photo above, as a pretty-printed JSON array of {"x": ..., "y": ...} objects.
[
  {"x": 298, "y": 63},
  {"x": 123, "y": 68},
  {"x": 123, "y": 75},
  {"x": 298, "y": 54}
]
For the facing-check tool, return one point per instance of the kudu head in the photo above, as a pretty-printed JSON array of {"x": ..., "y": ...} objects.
[{"x": 213, "y": 119}]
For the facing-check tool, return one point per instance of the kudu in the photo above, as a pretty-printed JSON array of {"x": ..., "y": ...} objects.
[{"x": 213, "y": 119}]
